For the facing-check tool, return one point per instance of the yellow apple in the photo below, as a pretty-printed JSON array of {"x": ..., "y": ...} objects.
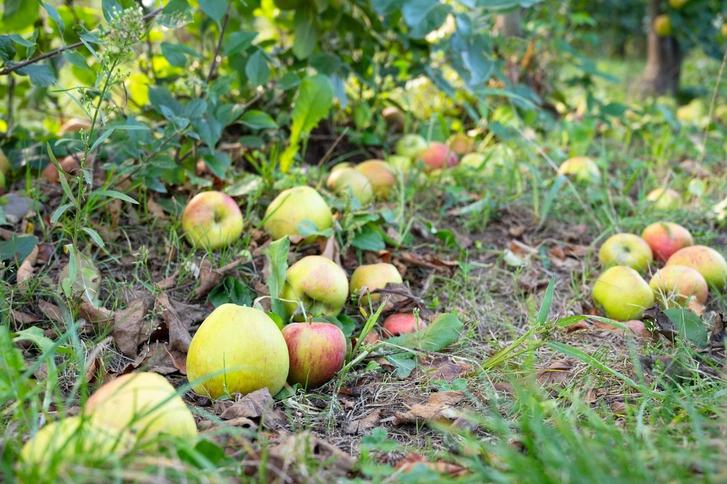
[
  {"x": 626, "y": 250},
  {"x": 582, "y": 168},
  {"x": 664, "y": 199},
  {"x": 662, "y": 25},
  {"x": 349, "y": 181},
  {"x": 622, "y": 293},
  {"x": 679, "y": 283},
  {"x": 372, "y": 277},
  {"x": 705, "y": 260},
  {"x": 319, "y": 284},
  {"x": 291, "y": 207},
  {"x": 212, "y": 220},
  {"x": 381, "y": 175}
]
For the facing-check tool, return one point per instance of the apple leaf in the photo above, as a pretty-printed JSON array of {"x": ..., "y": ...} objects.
[
  {"x": 277, "y": 254},
  {"x": 404, "y": 364},
  {"x": 690, "y": 325},
  {"x": 444, "y": 331}
]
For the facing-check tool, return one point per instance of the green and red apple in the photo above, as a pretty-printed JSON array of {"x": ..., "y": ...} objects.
[
  {"x": 626, "y": 250},
  {"x": 438, "y": 156},
  {"x": 293, "y": 206},
  {"x": 349, "y": 181},
  {"x": 316, "y": 351},
  {"x": 372, "y": 277},
  {"x": 410, "y": 146},
  {"x": 665, "y": 238},
  {"x": 622, "y": 293},
  {"x": 705, "y": 260},
  {"x": 381, "y": 175},
  {"x": 237, "y": 349},
  {"x": 318, "y": 284},
  {"x": 212, "y": 220},
  {"x": 679, "y": 284},
  {"x": 402, "y": 323}
]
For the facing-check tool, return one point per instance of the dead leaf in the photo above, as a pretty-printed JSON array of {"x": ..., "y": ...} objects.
[
  {"x": 576, "y": 327},
  {"x": 331, "y": 250},
  {"x": 45, "y": 252},
  {"x": 25, "y": 271},
  {"x": 155, "y": 210},
  {"x": 363, "y": 424},
  {"x": 159, "y": 358},
  {"x": 439, "y": 407},
  {"x": 114, "y": 208},
  {"x": 179, "y": 337},
  {"x": 556, "y": 373},
  {"x": 131, "y": 327},
  {"x": 443, "y": 368},
  {"x": 409, "y": 462},
  {"x": 52, "y": 311},
  {"x": 169, "y": 282},
  {"x": 517, "y": 231},
  {"x": 210, "y": 278},
  {"x": 24, "y": 318},
  {"x": 252, "y": 405},
  {"x": 101, "y": 318}
]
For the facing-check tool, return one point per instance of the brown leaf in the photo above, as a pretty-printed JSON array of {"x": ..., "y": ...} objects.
[
  {"x": 25, "y": 271},
  {"x": 443, "y": 368},
  {"x": 576, "y": 327},
  {"x": 114, "y": 208},
  {"x": 408, "y": 463},
  {"x": 253, "y": 405},
  {"x": 517, "y": 231},
  {"x": 556, "y": 373},
  {"x": 52, "y": 311},
  {"x": 100, "y": 317},
  {"x": 438, "y": 407},
  {"x": 24, "y": 318},
  {"x": 159, "y": 358},
  {"x": 169, "y": 282},
  {"x": 45, "y": 252},
  {"x": 363, "y": 424},
  {"x": 131, "y": 327},
  {"x": 155, "y": 210},
  {"x": 179, "y": 337},
  {"x": 210, "y": 278},
  {"x": 578, "y": 251},
  {"x": 331, "y": 250}
]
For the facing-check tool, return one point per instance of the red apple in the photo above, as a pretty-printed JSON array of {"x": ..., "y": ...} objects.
[
  {"x": 438, "y": 156},
  {"x": 704, "y": 260},
  {"x": 665, "y": 238},
  {"x": 626, "y": 250},
  {"x": 679, "y": 283},
  {"x": 380, "y": 174},
  {"x": 212, "y": 220},
  {"x": 402, "y": 323},
  {"x": 316, "y": 351}
]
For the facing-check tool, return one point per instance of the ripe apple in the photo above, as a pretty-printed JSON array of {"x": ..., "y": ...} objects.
[
  {"x": 662, "y": 25},
  {"x": 582, "y": 168},
  {"x": 461, "y": 144},
  {"x": 347, "y": 181},
  {"x": 336, "y": 172},
  {"x": 394, "y": 118},
  {"x": 380, "y": 174},
  {"x": 319, "y": 284},
  {"x": 212, "y": 220},
  {"x": 410, "y": 145},
  {"x": 622, "y": 293},
  {"x": 664, "y": 199},
  {"x": 626, "y": 250},
  {"x": 291, "y": 207},
  {"x": 316, "y": 351},
  {"x": 679, "y": 283},
  {"x": 402, "y": 323},
  {"x": 73, "y": 440},
  {"x": 400, "y": 164},
  {"x": 704, "y": 260},
  {"x": 237, "y": 349},
  {"x": 665, "y": 238},
  {"x": 372, "y": 277},
  {"x": 145, "y": 404},
  {"x": 438, "y": 156}
]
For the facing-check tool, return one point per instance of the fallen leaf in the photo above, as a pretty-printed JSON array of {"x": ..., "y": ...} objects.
[
  {"x": 331, "y": 250},
  {"x": 131, "y": 327},
  {"x": 24, "y": 318},
  {"x": 169, "y": 282},
  {"x": 517, "y": 231},
  {"x": 52, "y": 311},
  {"x": 101, "y": 318},
  {"x": 363, "y": 424},
  {"x": 556, "y": 373},
  {"x": 114, "y": 208},
  {"x": 439, "y": 407},
  {"x": 252, "y": 405},
  {"x": 408, "y": 463},
  {"x": 179, "y": 337},
  {"x": 443, "y": 368},
  {"x": 210, "y": 278},
  {"x": 580, "y": 325},
  {"x": 26, "y": 272},
  {"x": 155, "y": 210}
]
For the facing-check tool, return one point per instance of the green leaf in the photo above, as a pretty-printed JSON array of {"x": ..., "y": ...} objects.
[
  {"x": 289, "y": 81},
  {"x": 595, "y": 363},
  {"x": 110, "y": 8},
  {"x": 257, "y": 70},
  {"x": 305, "y": 33},
  {"x": 232, "y": 290},
  {"x": 176, "y": 54},
  {"x": 308, "y": 228},
  {"x": 215, "y": 9},
  {"x": 114, "y": 194},
  {"x": 277, "y": 254},
  {"x": 94, "y": 236},
  {"x": 195, "y": 108},
  {"x": 218, "y": 162},
  {"x": 237, "y": 42},
  {"x": 312, "y": 103},
  {"x": 53, "y": 14},
  {"x": 41, "y": 75},
  {"x": 443, "y": 331},
  {"x": 61, "y": 175},
  {"x": 177, "y": 13},
  {"x": 17, "y": 248},
  {"x": 35, "y": 335},
  {"x": 7, "y": 48},
  {"x": 101, "y": 139},
  {"x": 547, "y": 301},
  {"x": 75, "y": 58},
  {"x": 209, "y": 129},
  {"x": 404, "y": 364},
  {"x": 258, "y": 120},
  {"x": 59, "y": 212},
  {"x": 21, "y": 41},
  {"x": 368, "y": 239},
  {"x": 424, "y": 16},
  {"x": 344, "y": 322},
  {"x": 689, "y": 324}
]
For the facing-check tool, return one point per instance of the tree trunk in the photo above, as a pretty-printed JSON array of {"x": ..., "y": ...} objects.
[
  {"x": 508, "y": 25},
  {"x": 663, "y": 59}
]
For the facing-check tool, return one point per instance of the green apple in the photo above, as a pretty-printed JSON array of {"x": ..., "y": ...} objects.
[
  {"x": 665, "y": 238},
  {"x": 626, "y": 250},
  {"x": 381, "y": 175},
  {"x": 351, "y": 181},
  {"x": 664, "y": 199},
  {"x": 622, "y": 293},
  {"x": 582, "y": 168},
  {"x": 317, "y": 352},
  {"x": 237, "y": 349},
  {"x": 372, "y": 277},
  {"x": 212, "y": 220},
  {"x": 319, "y": 284},
  {"x": 144, "y": 404},
  {"x": 679, "y": 284},
  {"x": 400, "y": 164},
  {"x": 705, "y": 260},
  {"x": 291, "y": 207},
  {"x": 410, "y": 146},
  {"x": 476, "y": 161}
]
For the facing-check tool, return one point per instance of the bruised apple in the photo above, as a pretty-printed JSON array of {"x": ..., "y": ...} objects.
[
  {"x": 212, "y": 220},
  {"x": 237, "y": 349},
  {"x": 679, "y": 283},
  {"x": 704, "y": 260},
  {"x": 316, "y": 351},
  {"x": 402, "y": 323},
  {"x": 372, "y": 277},
  {"x": 293, "y": 206},
  {"x": 665, "y": 238},
  {"x": 380, "y": 174},
  {"x": 316, "y": 283},
  {"x": 626, "y": 250},
  {"x": 622, "y": 293}
]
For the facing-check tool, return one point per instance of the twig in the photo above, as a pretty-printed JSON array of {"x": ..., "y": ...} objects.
[
  {"x": 61, "y": 50},
  {"x": 213, "y": 67}
]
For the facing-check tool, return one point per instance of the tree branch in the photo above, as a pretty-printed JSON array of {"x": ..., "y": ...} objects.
[
  {"x": 61, "y": 50},
  {"x": 213, "y": 67}
]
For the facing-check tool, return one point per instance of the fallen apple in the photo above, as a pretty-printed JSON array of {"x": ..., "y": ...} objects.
[
  {"x": 678, "y": 284},
  {"x": 144, "y": 404},
  {"x": 665, "y": 238},
  {"x": 461, "y": 144},
  {"x": 381, "y": 175},
  {"x": 350, "y": 182},
  {"x": 474, "y": 160},
  {"x": 622, "y": 293},
  {"x": 394, "y": 118},
  {"x": 438, "y": 156},
  {"x": 410, "y": 146},
  {"x": 336, "y": 172},
  {"x": 626, "y": 250},
  {"x": 316, "y": 283},
  {"x": 664, "y": 199},
  {"x": 237, "y": 349},
  {"x": 69, "y": 165},
  {"x": 316, "y": 351},
  {"x": 212, "y": 220},
  {"x": 402, "y": 323},
  {"x": 705, "y": 260},
  {"x": 639, "y": 329},
  {"x": 372, "y": 277},
  {"x": 400, "y": 164},
  {"x": 582, "y": 168},
  {"x": 291, "y": 207}
]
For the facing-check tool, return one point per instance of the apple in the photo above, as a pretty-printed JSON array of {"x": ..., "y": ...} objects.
[
  {"x": 212, "y": 220},
  {"x": 394, "y": 118},
  {"x": 336, "y": 172},
  {"x": 626, "y": 250},
  {"x": 351, "y": 181},
  {"x": 622, "y": 293},
  {"x": 410, "y": 146},
  {"x": 679, "y": 283},
  {"x": 237, "y": 349},
  {"x": 402, "y": 323},
  {"x": 319, "y": 284},
  {"x": 380, "y": 174},
  {"x": 372, "y": 277},
  {"x": 74, "y": 125},
  {"x": 460, "y": 143},
  {"x": 71, "y": 441},
  {"x": 665, "y": 238},
  {"x": 400, "y": 164},
  {"x": 438, "y": 156},
  {"x": 145, "y": 404},
  {"x": 704, "y": 260},
  {"x": 664, "y": 199},
  {"x": 291, "y": 207},
  {"x": 677, "y": 4},
  {"x": 662, "y": 25},
  {"x": 316, "y": 351},
  {"x": 69, "y": 165},
  {"x": 582, "y": 168}
]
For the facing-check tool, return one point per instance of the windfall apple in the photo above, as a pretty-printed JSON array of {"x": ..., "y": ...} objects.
[
  {"x": 402, "y": 323},
  {"x": 372, "y": 277},
  {"x": 316, "y": 350},
  {"x": 212, "y": 220},
  {"x": 381, "y": 175},
  {"x": 665, "y": 238},
  {"x": 626, "y": 250},
  {"x": 705, "y": 260},
  {"x": 291, "y": 207},
  {"x": 678, "y": 284},
  {"x": 318, "y": 284},
  {"x": 622, "y": 293}
]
